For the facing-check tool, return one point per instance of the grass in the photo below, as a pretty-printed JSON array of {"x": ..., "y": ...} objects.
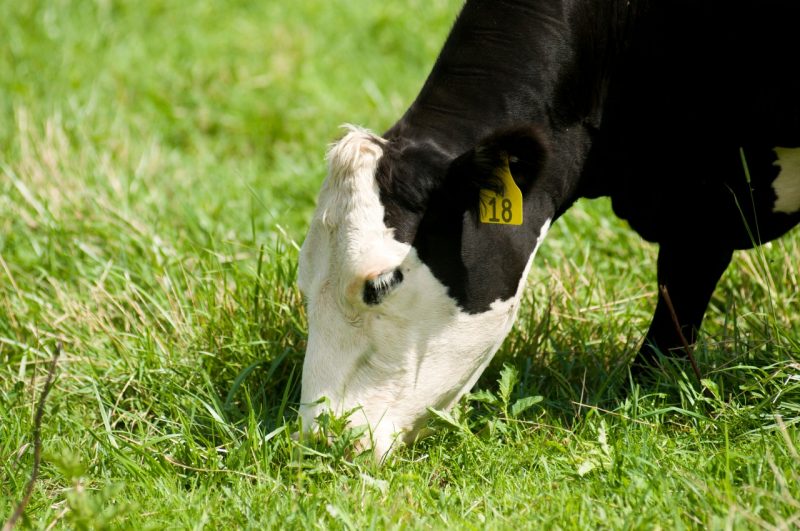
[{"x": 158, "y": 164}]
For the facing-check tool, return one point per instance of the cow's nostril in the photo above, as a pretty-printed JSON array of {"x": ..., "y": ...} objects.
[{"x": 376, "y": 289}]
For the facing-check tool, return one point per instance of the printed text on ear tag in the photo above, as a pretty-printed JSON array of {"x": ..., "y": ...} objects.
[{"x": 504, "y": 208}]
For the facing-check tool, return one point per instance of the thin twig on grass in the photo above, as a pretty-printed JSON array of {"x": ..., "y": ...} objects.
[
  {"x": 37, "y": 442},
  {"x": 686, "y": 346}
]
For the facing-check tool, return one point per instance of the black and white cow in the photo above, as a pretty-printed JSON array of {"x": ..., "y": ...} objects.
[{"x": 685, "y": 112}]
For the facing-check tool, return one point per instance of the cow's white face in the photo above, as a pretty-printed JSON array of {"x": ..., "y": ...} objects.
[{"x": 394, "y": 356}]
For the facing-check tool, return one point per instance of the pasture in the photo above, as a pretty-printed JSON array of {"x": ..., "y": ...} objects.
[{"x": 159, "y": 163}]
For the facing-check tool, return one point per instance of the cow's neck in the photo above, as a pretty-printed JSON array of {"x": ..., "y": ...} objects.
[
  {"x": 511, "y": 65},
  {"x": 523, "y": 64},
  {"x": 495, "y": 70}
]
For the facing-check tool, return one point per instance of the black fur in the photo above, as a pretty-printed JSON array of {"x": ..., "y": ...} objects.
[{"x": 653, "y": 103}]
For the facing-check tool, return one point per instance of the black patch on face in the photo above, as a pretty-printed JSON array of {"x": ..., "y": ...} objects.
[
  {"x": 407, "y": 174},
  {"x": 436, "y": 209}
]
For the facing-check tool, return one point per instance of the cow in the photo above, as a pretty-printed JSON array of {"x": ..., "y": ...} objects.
[{"x": 686, "y": 113}]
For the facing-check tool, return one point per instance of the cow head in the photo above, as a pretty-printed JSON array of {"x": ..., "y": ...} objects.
[{"x": 397, "y": 327}]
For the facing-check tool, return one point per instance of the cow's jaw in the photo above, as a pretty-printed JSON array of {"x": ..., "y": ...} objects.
[
  {"x": 419, "y": 350},
  {"x": 385, "y": 364}
]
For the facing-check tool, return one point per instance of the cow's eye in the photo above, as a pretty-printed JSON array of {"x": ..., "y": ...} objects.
[{"x": 376, "y": 289}]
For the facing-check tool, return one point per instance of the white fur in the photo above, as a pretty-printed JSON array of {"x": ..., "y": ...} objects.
[
  {"x": 787, "y": 185},
  {"x": 414, "y": 350}
]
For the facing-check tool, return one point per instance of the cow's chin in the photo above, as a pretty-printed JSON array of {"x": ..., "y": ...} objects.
[{"x": 381, "y": 435}]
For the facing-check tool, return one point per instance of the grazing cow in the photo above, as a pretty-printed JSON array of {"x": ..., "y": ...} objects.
[{"x": 685, "y": 112}]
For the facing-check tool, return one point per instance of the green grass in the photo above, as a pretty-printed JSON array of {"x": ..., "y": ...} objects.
[{"x": 158, "y": 164}]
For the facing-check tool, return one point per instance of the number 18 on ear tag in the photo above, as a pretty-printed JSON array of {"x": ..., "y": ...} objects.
[{"x": 502, "y": 208}]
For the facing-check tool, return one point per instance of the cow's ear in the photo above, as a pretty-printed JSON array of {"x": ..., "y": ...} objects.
[
  {"x": 473, "y": 235},
  {"x": 483, "y": 171}
]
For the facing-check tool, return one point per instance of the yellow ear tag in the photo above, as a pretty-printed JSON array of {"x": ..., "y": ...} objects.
[{"x": 503, "y": 208}]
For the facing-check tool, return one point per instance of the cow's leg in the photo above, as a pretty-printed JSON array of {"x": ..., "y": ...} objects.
[{"x": 690, "y": 273}]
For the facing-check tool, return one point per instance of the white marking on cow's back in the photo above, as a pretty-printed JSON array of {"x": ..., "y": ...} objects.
[{"x": 787, "y": 185}]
